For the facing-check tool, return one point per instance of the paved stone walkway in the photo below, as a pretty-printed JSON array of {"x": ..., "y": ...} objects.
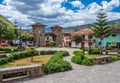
[{"x": 107, "y": 73}]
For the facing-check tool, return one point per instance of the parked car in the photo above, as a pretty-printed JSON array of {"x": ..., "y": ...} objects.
[{"x": 5, "y": 44}]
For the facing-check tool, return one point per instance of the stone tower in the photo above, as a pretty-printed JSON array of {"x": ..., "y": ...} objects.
[
  {"x": 39, "y": 32},
  {"x": 57, "y": 31}
]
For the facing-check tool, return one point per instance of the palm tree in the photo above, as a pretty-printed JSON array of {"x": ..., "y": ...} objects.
[{"x": 101, "y": 28}]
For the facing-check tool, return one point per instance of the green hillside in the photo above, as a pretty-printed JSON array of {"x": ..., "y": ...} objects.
[
  {"x": 7, "y": 22},
  {"x": 116, "y": 23}
]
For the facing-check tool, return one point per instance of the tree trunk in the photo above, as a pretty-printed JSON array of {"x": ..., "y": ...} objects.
[{"x": 101, "y": 47}]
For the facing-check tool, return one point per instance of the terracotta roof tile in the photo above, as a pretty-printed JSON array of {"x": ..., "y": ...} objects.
[{"x": 84, "y": 31}]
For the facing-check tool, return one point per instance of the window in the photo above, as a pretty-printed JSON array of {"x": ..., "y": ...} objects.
[
  {"x": 83, "y": 36},
  {"x": 90, "y": 36},
  {"x": 113, "y": 35},
  {"x": 47, "y": 38}
]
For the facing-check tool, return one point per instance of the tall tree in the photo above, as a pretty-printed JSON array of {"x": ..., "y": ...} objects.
[
  {"x": 3, "y": 30},
  {"x": 101, "y": 28},
  {"x": 77, "y": 38}
]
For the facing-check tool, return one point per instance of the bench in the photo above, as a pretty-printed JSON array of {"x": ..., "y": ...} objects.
[
  {"x": 102, "y": 59},
  {"x": 19, "y": 72}
]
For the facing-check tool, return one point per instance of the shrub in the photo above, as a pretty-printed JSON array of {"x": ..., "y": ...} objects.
[
  {"x": 87, "y": 62},
  {"x": 52, "y": 44},
  {"x": 44, "y": 52},
  {"x": 119, "y": 52},
  {"x": 8, "y": 49},
  {"x": 114, "y": 58},
  {"x": 79, "y": 56},
  {"x": 85, "y": 48},
  {"x": 95, "y": 50},
  {"x": 17, "y": 55},
  {"x": 64, "y": 53},
  {"x": 76, "y": 59},
  {"x": 74, "y": 52},
  {"x": 109, "y": 48},
  {"x": 56, "y": 64}
]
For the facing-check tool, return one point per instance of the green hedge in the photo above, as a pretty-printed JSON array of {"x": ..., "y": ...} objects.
[
  {"x": 85, "y": 48},
  {"x": 87, "y": 62},
  {"x": 95, "y": 50},
  {"x": 44, "y": 52},
  {"x": 8, "y": 49},
  {"x": 109, "y": 48},
  {"x": 56, "y": 64},
  {"x": 79, "y": 56},
  {"x": 17, "y": 55},
  {"x": 11, "y": 75},
  {"x": 118, "y": 51},
  {"x": 115, "y": 58}
]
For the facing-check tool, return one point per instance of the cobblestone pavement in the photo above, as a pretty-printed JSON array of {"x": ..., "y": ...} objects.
[{"x": 107, "y": 73}]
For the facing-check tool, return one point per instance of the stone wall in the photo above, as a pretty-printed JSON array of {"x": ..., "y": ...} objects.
[
  {"x": 39, "y": 32},
  {"x": 32, "y": 71},
  {"x": 57, "y": 30}
]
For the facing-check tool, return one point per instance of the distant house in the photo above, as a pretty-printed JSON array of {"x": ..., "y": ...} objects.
[
  {"x": 67, "y": 39},
  {"x": 85, "y": 33},
  {"x": 113, "y": 40}
]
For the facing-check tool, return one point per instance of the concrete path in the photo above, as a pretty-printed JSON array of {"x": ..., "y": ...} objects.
[{"x": 108, "y": 73}]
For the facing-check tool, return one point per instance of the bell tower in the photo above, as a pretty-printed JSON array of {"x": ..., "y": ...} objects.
[
  {"x": 39, "y": 32},
  {"x": 57, "y": 31}
]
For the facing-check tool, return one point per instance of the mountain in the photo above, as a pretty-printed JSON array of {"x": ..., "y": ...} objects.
[
  {"x": 7, "y": 22},
  {"x": 71, "y": 29}
]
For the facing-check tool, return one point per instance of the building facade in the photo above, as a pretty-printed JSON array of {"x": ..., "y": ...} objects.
[
  {"x": 42, "y": 38},
  {"x": 85, "y": 33},
  {"x": 113, "y": 40},
  {"x": 67, "y": 39}
]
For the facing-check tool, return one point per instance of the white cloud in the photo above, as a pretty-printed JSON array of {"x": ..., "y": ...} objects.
[
  {"x": 108, "y": 6},
  {"x": 50, "y": 12},
  {"x": 78, "y": 4}
]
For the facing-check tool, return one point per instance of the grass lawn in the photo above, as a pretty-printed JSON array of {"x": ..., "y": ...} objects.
[
  {"x": 95, "y": 55},
  {"x": 27, "y": 61}
]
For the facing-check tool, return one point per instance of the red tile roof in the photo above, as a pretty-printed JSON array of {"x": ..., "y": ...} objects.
[{"x": 84, "y": 31}]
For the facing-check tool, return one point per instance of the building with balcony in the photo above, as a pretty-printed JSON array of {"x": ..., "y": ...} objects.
[{"x": 87, "y": 41}]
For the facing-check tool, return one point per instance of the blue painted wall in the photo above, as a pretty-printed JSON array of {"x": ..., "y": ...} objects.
[{"x": 109, "y": 40}]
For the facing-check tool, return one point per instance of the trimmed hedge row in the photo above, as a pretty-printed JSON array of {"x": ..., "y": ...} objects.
[
  {"x": 79, "y": 58},
  {"x": 95, "y": 50},
  {"x": 17, "y": 55},
  {"x": 56, "y": 63},
  {"x": 44, "y": 52},
  {"x": 11, "y": 75},
  {"x": 8, "y": 49}
]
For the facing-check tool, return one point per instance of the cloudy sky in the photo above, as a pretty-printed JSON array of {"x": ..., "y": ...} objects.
[{"x": 65, "y": 13}]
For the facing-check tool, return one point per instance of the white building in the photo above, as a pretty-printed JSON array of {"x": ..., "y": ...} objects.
[{"x": 86, "y": 34}]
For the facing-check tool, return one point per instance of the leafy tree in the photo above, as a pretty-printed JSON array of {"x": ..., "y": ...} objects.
[
  {"x": 52, "y": 43},
  {"x": 101, "y": 28},
  {"x": 77, "y": 38},
  {"x": 3, "y": 29},
  {"x": 27, "y": 37},
  {"x": 10, "y": 34},
  {"x": 7, "y": 33}
]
